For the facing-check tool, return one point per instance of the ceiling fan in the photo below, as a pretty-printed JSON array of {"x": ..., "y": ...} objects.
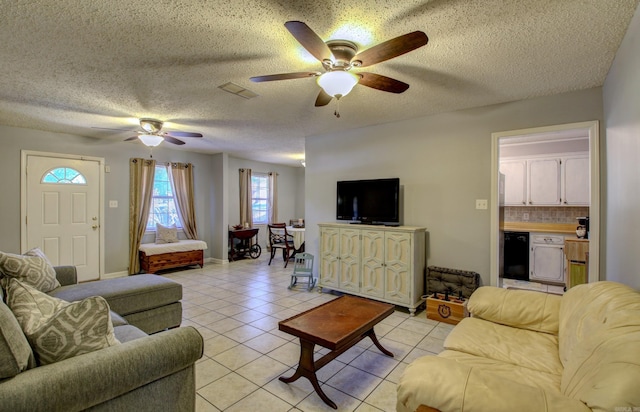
[
  {"x": 338, "y": 57},
  {"x": 152, "y": 135}
]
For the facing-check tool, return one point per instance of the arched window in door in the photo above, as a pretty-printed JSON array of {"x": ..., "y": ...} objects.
[{"x": 64, "y": 175}]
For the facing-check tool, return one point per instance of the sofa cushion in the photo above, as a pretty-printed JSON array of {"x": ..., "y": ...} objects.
[
  {"x": 34, "y": 270},
  {"x": 126, "y": 295},
  {"x": 525, "y": 309},
  {"x": 126, "y": 333},
  {"x": 507, "y": 370},
  {"x": 15, "y": 353},
  {"x": 522, "y": 347},
  {"x": 600, "y": 344},
  {"x": 57, "y": 329}
]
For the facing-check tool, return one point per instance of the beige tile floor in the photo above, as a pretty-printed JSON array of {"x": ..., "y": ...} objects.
[{"x": 237, "y": 307}]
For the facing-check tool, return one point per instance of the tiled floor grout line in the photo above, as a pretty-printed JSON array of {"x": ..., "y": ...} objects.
[{"x": 240, "y": 347}]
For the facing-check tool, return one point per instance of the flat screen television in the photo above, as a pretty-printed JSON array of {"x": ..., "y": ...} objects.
[{"x": 375, "y": 201}]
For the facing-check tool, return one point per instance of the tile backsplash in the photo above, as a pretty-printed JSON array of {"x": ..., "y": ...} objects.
[{"x": 543, "y": 214}]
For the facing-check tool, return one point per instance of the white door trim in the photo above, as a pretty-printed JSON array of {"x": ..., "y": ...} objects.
[
  {"x": 592, "y": 127},
  {"x": 23, "y": 196}
]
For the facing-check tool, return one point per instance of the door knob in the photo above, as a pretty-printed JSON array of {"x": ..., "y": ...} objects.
[{"x": 94, "y": 227}]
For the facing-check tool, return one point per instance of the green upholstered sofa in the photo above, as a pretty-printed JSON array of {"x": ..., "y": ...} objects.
[{"x": 144, "y": 373}]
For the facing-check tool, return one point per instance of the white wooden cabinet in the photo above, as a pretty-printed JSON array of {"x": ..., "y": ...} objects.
[
  {"x": 544, "y": 181},
  {"x": 546, "y": 258},
  {"x": 576, "y": 181},
  {"x": 376, "y": 262},
  {"x": 515, "y": 182},
  {"x": 547, "y": 180}
]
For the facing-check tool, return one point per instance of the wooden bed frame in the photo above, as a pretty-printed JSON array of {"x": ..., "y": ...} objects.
[{"x": 154, "y": 263}]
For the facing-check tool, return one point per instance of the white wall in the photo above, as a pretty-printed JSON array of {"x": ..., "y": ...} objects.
[
  {"x": 622, "y": 121},
  {"x": 444, "y": 165}
]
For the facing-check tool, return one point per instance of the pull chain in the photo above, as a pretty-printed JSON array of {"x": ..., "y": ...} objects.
[{"x": 336, "y": 113}]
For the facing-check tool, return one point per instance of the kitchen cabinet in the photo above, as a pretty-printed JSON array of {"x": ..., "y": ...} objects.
[
  {"x": 576, "y": 252},
  {"x": 515, "y": 182},
  {"x": 576, "y": 181},
  {"x": 546, "y": 259},
  {"x": 546, "y": 180},
  {"x": 376, "y": 262}
]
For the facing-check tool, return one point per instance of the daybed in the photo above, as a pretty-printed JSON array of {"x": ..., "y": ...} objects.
[
  {"x": 140, "y": 373},
  {"x": 531, "y": 351},
  {"x": 159, "y": 256}
]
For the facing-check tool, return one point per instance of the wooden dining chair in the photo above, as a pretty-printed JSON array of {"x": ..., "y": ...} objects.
[{"x": 279, "y": 238}]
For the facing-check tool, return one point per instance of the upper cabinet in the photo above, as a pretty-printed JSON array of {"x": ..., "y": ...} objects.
[
  {"x": 577, "y": 187},
  {"x": 561, "y": 180}
]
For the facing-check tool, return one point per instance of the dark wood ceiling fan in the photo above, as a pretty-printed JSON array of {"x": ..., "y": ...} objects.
[
  {"x": 342, "y": 56},
  {"x": 153, "y": 128}
]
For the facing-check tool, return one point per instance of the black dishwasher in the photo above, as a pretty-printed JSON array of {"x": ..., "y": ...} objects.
[{"x": 516, "y": 255}]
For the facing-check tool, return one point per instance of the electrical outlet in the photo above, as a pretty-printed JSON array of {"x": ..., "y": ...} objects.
[
  {"x": 481, "y": 203},
  {"x": 525, "y": 217},
  {"x": 113, "y": 203}
]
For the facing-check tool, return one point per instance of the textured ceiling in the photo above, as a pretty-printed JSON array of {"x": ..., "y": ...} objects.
[{"x": 73, "y": 65}]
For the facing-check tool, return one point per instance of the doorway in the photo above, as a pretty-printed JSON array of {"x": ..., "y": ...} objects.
[
  {"x": 62, "y": 210},
  {"x": 591, "y": 129}
]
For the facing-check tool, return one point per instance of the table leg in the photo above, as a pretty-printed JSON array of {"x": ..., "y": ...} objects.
[
  {"x": 307, "y": 368},
  {"x": 372, "y": 335}
]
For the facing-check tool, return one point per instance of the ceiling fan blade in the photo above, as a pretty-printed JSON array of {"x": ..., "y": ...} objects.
[
  {"x": 284, "y": 76},
  {"x": 109, "y": 128},
  {"x": 309, "y": 40},
  {"x": 384, "y": 83},
  {"x": 391, "y": 48},
  {"x": 173, "y": 140},
  {"x": 182, "y": 134},
  {"x": 130, "y": 138},
  {"x": 323, "y": 98}
]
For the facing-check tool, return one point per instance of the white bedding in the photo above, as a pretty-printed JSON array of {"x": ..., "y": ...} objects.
[{"x": 181, "y": 246}]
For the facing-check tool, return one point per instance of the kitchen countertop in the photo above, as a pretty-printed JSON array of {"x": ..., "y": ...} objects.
[{"x": 562, "y": 228}]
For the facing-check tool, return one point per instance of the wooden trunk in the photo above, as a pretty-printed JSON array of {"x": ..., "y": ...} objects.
[
  {"x": 451, "y": 311},
  {"x": 154, "y": 263}
]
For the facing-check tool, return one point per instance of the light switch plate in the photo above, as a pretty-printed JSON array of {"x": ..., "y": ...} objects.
[
  {"x": 113, "y": 203},
  {"x": 482, "y": 204}
]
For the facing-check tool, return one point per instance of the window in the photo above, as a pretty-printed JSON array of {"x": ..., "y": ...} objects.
[
  {"x": 260, "y": 198},
  {"x": 163, "y": 206},
  {"x": 64, "y": 175}
]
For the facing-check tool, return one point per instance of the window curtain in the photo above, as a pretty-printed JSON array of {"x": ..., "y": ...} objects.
[
  {"x": 182, "y": 180},
  {"x": 141, "y": 172},
  {"x": 246, "y": 210},
  {"x": 273, "y": 197}
]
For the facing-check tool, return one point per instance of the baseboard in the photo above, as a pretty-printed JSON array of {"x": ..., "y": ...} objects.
[
  {"x": 217, "y": 261},
  {"x": 115, "y": 275}
]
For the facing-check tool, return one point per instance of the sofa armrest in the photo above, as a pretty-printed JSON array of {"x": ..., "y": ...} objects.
[
  {"x": 447, "y": 385},
  {"x": 524, "y": 309},
  {"x": 83, "y": 381},
  {"x": 66, "y": 275}
]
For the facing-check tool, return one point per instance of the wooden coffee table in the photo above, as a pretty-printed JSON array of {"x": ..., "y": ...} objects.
[{"x": 336, "y": 325}]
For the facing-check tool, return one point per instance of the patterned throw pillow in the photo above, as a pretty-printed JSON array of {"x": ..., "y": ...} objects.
[
  {"x": 34, "y": 270},
  {"x": 166, "y": 234},
  {"x": 15, "y": 353},
  {"x": 57, "y": 329}
]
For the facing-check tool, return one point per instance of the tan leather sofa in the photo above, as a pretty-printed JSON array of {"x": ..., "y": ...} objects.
[{"x": 531, "y": 351}]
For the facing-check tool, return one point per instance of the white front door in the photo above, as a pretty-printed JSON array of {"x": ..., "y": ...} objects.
[{"x": 63, "y": 211}]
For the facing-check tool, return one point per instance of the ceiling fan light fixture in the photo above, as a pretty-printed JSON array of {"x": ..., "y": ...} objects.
[
  {"x": 151, "y": 140},
  {"x": 151, "y": 125},
  {"x": 338, "y": 83}
]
